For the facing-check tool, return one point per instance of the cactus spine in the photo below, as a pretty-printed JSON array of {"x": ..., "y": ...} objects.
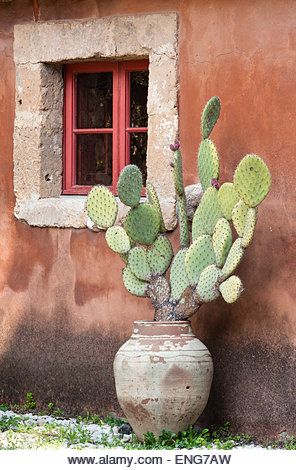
[{"x": 203, "y": 268}]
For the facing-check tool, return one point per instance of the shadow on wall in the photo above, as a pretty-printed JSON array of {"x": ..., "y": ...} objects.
[
  {"x": 253, "y": 388},
  {"x": 72, "y": 370}
]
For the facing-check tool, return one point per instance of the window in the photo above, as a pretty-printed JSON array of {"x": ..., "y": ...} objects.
[
  {"x": 106, "y": 123},
  {"x": 39, "y": 175}
]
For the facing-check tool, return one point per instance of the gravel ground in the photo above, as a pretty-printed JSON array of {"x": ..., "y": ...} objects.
[
  {"x": 33, "y": 431},
  {"x": 29, "y": 431}
]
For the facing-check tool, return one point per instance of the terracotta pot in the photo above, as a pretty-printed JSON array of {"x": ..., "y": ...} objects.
[{"x": 163, "y": 376}]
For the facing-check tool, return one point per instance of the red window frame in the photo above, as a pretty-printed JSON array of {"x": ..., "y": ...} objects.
[{"x": 121, "y": 129}]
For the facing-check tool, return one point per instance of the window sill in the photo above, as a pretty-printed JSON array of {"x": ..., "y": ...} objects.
[{"x": 69, "y": 212}]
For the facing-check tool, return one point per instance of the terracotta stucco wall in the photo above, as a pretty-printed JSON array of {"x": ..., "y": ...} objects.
[{"x": 63, "y": 309}]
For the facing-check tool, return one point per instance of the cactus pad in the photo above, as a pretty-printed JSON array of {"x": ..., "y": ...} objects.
[
  {"x": 207, "y": 287},
  {"x": 252, "y": 180},
  {"x": 210, "y": 116},
  {"x": 160, "y": 255},
  {"x": 239, "y": 216},
  {"x": 101, "y": 207},
  {"x": 231, "y": 289},
  {"x": 142, "y": 224},
  {"x": 250, "y": 224},
  {"x": 183, "y": 221},
  {"x": 198, "y": 257},
  {"x": 154, "y": 201},
  {"x": 222, "y": 241},
  {"x": 233, "y": 259},
  {"x": 138, "y": 263},
  {"x": 129, "y": 185},
  {"x": 197, "y": 227},
  {"x": 134, "y": 285},
  {"x": 117, "y": 239},
  {"x": 209, "y": 210},
  {"x": 178, "y": 173},
  {"x": 227, "y": 197},
  {"x": 208, "y": 163},
  {"x": 178, "y": 277}
]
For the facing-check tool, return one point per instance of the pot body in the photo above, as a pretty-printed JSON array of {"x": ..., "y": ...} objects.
[{"x": 163, "y": 375}]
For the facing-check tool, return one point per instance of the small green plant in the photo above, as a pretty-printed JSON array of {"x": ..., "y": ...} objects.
[
  {"x": 113, "y": 420},
  {"x": 30, "y": 402},
  {"x": 9, "y": 423},
  {"x": 220, "y": 437},
  {"x": 4, "y": 407},
  {"x": 90, "y": 418},
  {"x": 203, "y": 268},
  {"x": 50, "y": 407},
  {"x": 74, "y": 436},
  {"x": 290, "y": 444}
]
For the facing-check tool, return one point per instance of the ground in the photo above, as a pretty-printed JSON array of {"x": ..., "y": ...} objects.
[{"x": 27, "y": 430}]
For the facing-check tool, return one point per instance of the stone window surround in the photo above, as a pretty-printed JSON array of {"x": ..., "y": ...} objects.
[{"x": 40, "y": 50}]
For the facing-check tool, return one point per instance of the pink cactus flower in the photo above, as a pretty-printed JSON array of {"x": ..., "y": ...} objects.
[
  {"x": 175, "y": 146},
  {"x": 215, "y": 183}
]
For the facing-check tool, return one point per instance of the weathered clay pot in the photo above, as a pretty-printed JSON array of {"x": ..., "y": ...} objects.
[{"x": 163, "y": 376}]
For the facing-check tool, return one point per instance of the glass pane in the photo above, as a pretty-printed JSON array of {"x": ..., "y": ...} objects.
[
  {"x": 138, "y": 151},
  {"x": 94, "y": 100},
  {"x": 139, "y": 93},
  {"x": 94, "y": 159}
]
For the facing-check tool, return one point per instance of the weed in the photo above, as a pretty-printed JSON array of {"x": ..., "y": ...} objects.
[
  {"x": 290, "y": 444},
  {"x": 114, "y": 421},
  {"x": 53, "y": 410},
  {"x": 30, "y": 403},
  {"x": 9, "y": 423},
  {"x": 50, "y": 407},
  {"x": 90, "y": 418},
  {"x": 72, "y": 436},
  {"x": 58, "y": 413},
  {"x": 4, "y": 407},
  {"x": 220, "y": 438}
]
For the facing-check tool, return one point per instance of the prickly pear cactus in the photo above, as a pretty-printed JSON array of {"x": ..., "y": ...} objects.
[
  {"x": 207, "y": 287},
  {"x": 231, "y": 289},
  {"x": 160, "y": 255},
  {"x": 102, "y": 207},
  {"x": 210, "y": 116},
  {"x": 199, "y": 256},
  {"x": 252, "y": 180},
  {"x": 239, "y": 214},
  {"x": 202, "y": 269},
  {"x": 154, "y": 201},
  {"x": 118, "y": 240},
  {"x": 178, "y": 276},
  {"x": 138, "y": 263},
  {"x": 133, "y": 284},
  {"x": 208, "y": 163},
  {"x": 142, "y": 224},
  {"x": 228, "y": 198},
  {"x": 222, "y": 241},
  {"x": 130, "y": 185}
]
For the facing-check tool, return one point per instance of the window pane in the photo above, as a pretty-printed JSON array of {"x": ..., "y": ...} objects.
[
  {"x": 94, "y": 100},
  {"x": 94, "y": 159},
  {"x": 138, "y": 151},
  {"x": 138, "y": 96}
]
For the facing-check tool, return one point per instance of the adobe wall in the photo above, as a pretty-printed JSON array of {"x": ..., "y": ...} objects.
[{"x": 63, "y": 309}]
